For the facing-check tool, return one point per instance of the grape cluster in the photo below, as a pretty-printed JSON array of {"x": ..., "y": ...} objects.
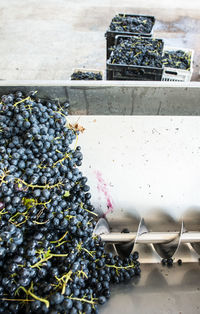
[
  {"x": 137, "y": 51},
  {"x": 134, "y": 24},
  {"x": 177, "y": 59},
  {"x": 10, "y": 238},
  {"x": 87, "y": 76},
  {"x": 50, "y": 261}
]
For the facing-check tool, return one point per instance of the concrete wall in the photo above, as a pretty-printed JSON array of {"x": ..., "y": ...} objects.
[{"x": 116, "y": 98}]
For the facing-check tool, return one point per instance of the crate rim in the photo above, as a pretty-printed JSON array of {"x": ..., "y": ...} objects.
[
  {"x": 148, "y": 35},
  {"x": 83, "y": 70},
  {"x": 75, "y": 70},
  {"x": 146, "y": 38},
  {"x": 134, "y": 66},
  {"x": 144, "y": 15}
]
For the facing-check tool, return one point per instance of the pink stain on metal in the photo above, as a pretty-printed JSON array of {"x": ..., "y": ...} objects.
[{"x": 102, "y": 187}]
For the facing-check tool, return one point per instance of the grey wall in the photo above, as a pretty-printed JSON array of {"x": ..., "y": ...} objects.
[{"x": 116, "y": 98}]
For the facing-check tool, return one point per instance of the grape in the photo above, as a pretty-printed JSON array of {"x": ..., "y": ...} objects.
[
  {"x": 133, "y": 24},
  {"x": 167, "y": 261},
  {"x": 177, "y": 59},
  {"x": 49, "y": 259},
  {"x": 87, "y": 76},
  {"x": 138, "y": 51}
]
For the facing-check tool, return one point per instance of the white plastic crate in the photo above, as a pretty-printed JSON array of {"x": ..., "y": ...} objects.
[{"x": 178, "y": 75}]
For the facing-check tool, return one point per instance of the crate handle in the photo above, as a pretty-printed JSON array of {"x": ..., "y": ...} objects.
[
  {"x": 171, "y": 72},
  {"x": 141, "y": 72}
]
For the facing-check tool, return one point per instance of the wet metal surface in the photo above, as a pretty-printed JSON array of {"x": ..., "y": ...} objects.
[{"x": 159, "y": 290}]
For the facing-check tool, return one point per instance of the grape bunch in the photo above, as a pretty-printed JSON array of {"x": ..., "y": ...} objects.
[
  {"x": 133, "y": 24},
  {"x": 178, "y": 59},
  {"x": 138, "y": 51},
  {"x": 10, "y": 238},
  {"x": 50, "y": 261},
  {"x": 87, "y": 76}
]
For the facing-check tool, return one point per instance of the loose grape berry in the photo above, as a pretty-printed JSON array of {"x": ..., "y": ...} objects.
[{"x": 179, "y": 262}]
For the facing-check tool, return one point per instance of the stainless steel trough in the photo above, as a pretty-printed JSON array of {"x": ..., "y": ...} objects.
[{"x": 141, "y": 148}]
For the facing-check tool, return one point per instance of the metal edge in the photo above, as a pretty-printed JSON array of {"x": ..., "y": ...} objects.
[
  {"x": 100, "y": 84},
  {"x": 169, "y": 249}
]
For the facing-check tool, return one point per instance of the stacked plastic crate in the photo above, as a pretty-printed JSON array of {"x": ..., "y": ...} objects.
[{"x": 133, "y": 54}]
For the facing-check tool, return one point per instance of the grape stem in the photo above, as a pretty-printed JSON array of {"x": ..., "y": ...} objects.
[
  {"x": 64, "y": 280},
  {"x": 59, "y": 240},
  {"x": 45, "y": 256},
  {"x": 80, "y": 248},
  {"x": 84, "y": 300},
  {"x": 87, "y": 210},
  {"x": 3, "y": 176},
  {"x": 121, "y": 267},
  {"x": 47, "y": 186},
  {"x": 30, "y": 292}
]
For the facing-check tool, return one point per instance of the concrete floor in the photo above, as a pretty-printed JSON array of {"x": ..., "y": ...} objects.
[{"x": 47, "y": 39}]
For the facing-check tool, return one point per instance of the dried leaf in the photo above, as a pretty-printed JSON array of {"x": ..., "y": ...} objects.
[{"x": 77, "y": 127}]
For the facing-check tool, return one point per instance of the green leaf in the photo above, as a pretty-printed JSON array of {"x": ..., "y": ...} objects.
[{"x": 67, "y": 194}]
